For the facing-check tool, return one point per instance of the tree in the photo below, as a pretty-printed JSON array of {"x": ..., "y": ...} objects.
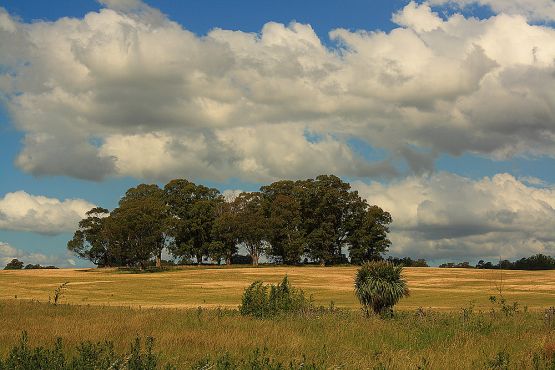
[
  {"x": 329, "y": 209},
  {"x": 193, "y": 211},
  {"x": 139, "y": 226},
  {"x": 252, "y": 226},
  {"x": 91, "y": 241},
  {"x": 14, "y": 264},
  {"x": 368, "y": 238},
  {"x": 379, "y": 286},
  {"x": 282, "y": 208},
  {"x": 225, "y": 230}
]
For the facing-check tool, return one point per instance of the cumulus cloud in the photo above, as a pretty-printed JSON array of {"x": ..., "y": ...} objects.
[
  {"x": 24, "y": 212},
  {"x": 535, "y": 10},
  {"x": 445, "y": 216},
  {"x": 127, "y": 92},
  {"x": 8, "y": 253}
]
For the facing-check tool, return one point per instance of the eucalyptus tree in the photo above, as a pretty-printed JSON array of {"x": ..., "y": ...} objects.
[
  {"x": 368, "y": 239},
  {"x": 92, "y": 242},
  {"x": 140, "y": 225},
  {"x": 251, "y": 224},
  {"x": 282, "y": 207},
  {"x": 193, "y": 210}
]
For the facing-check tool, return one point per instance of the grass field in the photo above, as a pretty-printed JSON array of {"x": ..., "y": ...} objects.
[
  {"x": 103, "y": 304},
  {"x": 441, "y": 289}
]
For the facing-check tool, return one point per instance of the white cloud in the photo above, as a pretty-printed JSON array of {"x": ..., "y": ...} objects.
[
  {"x": 446, "y": 216},
  {"x": 8, "y": 253},
  {"x": 24, "y": 212},
  {"x": 127, "y": 92},
  {"x": 535, "y": 10}
]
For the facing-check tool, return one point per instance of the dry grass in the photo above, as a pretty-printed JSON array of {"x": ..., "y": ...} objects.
[
  {"x": 344, "y": 340},
  {"x": 156, "y": 306},
  {"x": 442, "y": 289}
]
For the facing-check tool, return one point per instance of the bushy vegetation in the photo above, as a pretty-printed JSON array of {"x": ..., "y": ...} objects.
[
  {"x": 379, "y": 286},
  {"x": 89, "y": 356},
  {"x": 270, "y": 300}
]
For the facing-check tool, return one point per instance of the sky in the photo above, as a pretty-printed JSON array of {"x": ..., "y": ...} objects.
[{"x": 442, "y": 112}]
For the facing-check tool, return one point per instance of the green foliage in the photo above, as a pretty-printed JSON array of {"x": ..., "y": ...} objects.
[
  {"x": 287, "y": 220},
  {"x": 89, "y": 356},
  {"x": 193, "y": 209},
  {"x": 379, "y": 286},
  {"x": 14, "y": 264},
  {"x": 261, "y": 300}
]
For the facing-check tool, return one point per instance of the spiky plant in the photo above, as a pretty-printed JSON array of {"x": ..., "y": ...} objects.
[{"x": 379, "y": 285}]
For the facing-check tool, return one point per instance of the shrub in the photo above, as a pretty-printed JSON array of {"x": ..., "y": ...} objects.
[
  {"x": 261, "y": 300},
  {"x": 379, "y": 286}
]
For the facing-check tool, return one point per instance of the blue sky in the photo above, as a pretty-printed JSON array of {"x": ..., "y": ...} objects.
[{"x": 431, "y": 110}]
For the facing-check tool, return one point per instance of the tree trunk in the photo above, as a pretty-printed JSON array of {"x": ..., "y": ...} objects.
[
  {"x": 255, "y": 260},
  {"x": 322, "y": 262},
  {"x": 199, "y": 260},
  {"x": 228, "y": 260},
  {"x": 159, "y": 260}
]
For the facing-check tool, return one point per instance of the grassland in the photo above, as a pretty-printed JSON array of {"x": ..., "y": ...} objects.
[
  {"x": 441, "y": 289},
  {"x": 104, "y": 304}
]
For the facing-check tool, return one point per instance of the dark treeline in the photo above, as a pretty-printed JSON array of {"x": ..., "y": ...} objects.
[
  {"x": 536, "y": 262},
  {"x": 311, "y": 220},
  {"x": 16, "y": 264}
]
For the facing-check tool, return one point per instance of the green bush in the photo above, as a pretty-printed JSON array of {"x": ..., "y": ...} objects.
[
  {"x": 379, "y": 285},
  {"x": 261, "y": 300}
]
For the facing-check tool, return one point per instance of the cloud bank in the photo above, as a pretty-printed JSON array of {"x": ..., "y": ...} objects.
[
  {"x": 21, "y": 211},
  {"x": 445, "y": 216},
  {"x": 127, "y": 92}
]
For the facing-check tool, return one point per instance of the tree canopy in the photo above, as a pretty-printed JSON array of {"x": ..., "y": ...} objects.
[{"x": 318, "y": 220}]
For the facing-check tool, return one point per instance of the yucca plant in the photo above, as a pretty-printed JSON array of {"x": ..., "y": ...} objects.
[{"x": 379, "y": 285}]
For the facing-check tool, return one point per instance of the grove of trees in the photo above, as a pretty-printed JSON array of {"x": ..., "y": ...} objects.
[{"x": 287, "y": 221}]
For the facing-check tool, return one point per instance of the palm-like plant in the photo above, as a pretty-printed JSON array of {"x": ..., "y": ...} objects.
[{"x": 379, "y": 285}]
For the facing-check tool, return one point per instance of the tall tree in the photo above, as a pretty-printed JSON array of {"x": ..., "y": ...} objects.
[
  {"x": 328, "y": 206},
  {"x": 91, "y": 240},
  {"x": 368, "y": 238},
  {"x": 193, "y": 210},
  {"x": 282, "y": 208},
  {"x": 252, "y": 226},
  {"x": 225, "y": 231},
  {"x": 139, "y": 225}
]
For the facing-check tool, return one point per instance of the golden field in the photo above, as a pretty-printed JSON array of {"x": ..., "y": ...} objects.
[{"x": 191, "y": 287}]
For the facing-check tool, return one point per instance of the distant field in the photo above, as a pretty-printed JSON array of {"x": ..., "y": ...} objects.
[{"x": 441, "y": 289}]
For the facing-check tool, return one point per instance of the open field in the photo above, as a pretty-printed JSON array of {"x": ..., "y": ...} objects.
[
  {"x": 441, "y": 289},
  {"x": 103, "y": 305}
]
